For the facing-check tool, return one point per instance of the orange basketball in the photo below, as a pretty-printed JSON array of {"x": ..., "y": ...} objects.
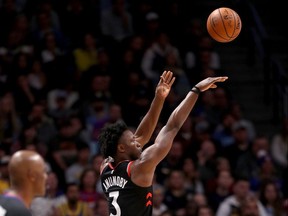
[{"x": 224, "y": 24}]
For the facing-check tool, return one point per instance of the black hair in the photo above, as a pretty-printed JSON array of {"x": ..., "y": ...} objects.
[
  {"x": 109, "y": 138},
  {"x": 70, "y": 184}
]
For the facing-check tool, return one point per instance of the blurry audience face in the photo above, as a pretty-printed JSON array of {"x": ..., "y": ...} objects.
[
  {"x": 270, "y": 192},
  {"x": 89, "y": 179},
  {"x": 176, "y": 180},
  {"x": 158, "y": 196},
  {"x": 115, "y": 113},
  {"x": 223, "y": 164},
  {"x": 205, "y": 211},
  {"x": 189, "y": 167},
  {"x": 180, "y": 212},
  {"x": 97, "y": 161},
  {"x": 52, "y": 181},
  {"x": 224, "y": 180},
  {"x": 83, "y": 155},
  {"x": 176, "y": 152},
  {"x": 163, "y": 40},
  {"x": 228, "y": 121},
  {"x": 101, "y": 207},
  {"x": 6, "y": 104},
  {"x": 260, "y": 146},
  {"x": 137, "y": 43},
  {"x": 72, "y": 194},
  {"x": 250, "y": 207},
  {"x": 208, "y": 149},
  {"x": 241, "y": 189},
  {"x": 221, "y": 98},
  {"x": 200, "y": 199},
  {"x": 37, "y": 112},
  {"x": 241, "y": 135},
  {"x": 208, "y": 98},
  {"x": 267, "y": 166}
]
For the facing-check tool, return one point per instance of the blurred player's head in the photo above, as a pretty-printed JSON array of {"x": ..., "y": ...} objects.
[{"x": 27, "y": 171}]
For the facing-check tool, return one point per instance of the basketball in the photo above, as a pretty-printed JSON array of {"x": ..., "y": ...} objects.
[{"x": 224, "y": 24}]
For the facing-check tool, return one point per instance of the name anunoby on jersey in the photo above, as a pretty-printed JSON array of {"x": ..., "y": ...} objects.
[{"x": 114, "y": 181}]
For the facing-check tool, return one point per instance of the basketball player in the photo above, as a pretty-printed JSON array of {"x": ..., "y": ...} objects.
[
  {"x": 27, "y": 172},
  {"x": 127, "y": 172}
]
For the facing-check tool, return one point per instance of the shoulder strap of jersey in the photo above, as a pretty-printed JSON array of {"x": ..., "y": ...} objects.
[{"x": 129, "y": 168}]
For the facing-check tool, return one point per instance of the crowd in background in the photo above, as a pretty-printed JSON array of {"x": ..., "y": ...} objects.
[{"x": 69, "y": 67}]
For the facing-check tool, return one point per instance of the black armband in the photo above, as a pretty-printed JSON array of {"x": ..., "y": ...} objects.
[{"x": 196, "y": 90}]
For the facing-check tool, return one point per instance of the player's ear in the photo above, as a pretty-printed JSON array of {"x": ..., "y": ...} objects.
[
  {"x": 31, "y": 175},
  {"x": 121, "y": 147}
]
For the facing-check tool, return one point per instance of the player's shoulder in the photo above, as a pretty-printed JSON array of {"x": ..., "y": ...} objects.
[{"x": 11, "y": 206}]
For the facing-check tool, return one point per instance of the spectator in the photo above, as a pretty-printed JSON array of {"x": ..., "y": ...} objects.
[
  {"x": 248, "y": 164},
  {"x": 158, "y": 200},
  {"x": 117, "y": 22},
  {"x": 176, "y": 194},
  {"x": 63, "y": 149},
  {"x": 232, "y": 204},
  {"x": 73, "y": 206},
  {"x": 8, "y": 13},
  {"x": 154, "y": 58},
  {"x": 37, "y": 79},
  {"x": 10, "y": 122},
  {"x": 86, "y": 55},
  {"x": 222, "y": 133},
  {"x": 240, "y": 146},
  {"x": 271, "y": 198},
  {"x": 44, "y": 25},
  {"x": 250, "y": 207},
  {"x": 206, "y": 161},
  {"x": 74, "y": 171},
  {"x": 44, "y": 125},
  {"x": 152, "y": 27},
  {"x": 182, "y": 83},
  {"x": 173, "y": 161},
  {"x": 101, "y": 207},
  {"x": 237, "y": 112},
  {"x": 87, "y": 187},
  {"x": 96, "y": 164},
  {"x": 44, "y": 206},
  {"x": 192, "y": 183},
  {"x": 76, "y": 21},
  {"x": 222, "y": 189},
  {"x": 204, "y": 210},
  {"x": 46, "y": 7}
]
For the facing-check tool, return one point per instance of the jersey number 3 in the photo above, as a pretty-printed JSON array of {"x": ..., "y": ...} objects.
[{"x": 115, "y": 195}]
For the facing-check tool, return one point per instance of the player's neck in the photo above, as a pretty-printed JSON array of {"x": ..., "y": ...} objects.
[
  {"x": 23, "y": 195},
  {"x": 120, "y": 159}
]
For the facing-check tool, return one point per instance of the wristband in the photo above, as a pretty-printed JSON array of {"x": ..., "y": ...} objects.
[{"x": 196, "y": 90}]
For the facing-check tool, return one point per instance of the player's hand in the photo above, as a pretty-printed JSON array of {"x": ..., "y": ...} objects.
[
  {"x": 164, "y": 86},
  {"x": 210, "y": 82}
]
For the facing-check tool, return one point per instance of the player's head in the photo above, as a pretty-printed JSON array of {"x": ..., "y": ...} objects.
[
  {"x": 27, "y": 171},
  {"x": 117, "y": 140}
]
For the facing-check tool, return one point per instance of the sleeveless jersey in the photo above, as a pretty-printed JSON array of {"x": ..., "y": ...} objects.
[
  {"x": 12, "y": 206},
  {"x": 124, "y": 197}
]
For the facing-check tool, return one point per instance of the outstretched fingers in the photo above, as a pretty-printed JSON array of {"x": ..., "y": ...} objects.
[{"x": 220, "y": 79}]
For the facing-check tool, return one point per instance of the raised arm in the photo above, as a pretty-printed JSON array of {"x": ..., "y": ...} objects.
[
  {"x": 147, "y": 125},
  {"x": 142, "y": 170}
]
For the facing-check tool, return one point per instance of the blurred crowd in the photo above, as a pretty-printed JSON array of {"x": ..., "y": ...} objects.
[{"x": 69, "y": 67}]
